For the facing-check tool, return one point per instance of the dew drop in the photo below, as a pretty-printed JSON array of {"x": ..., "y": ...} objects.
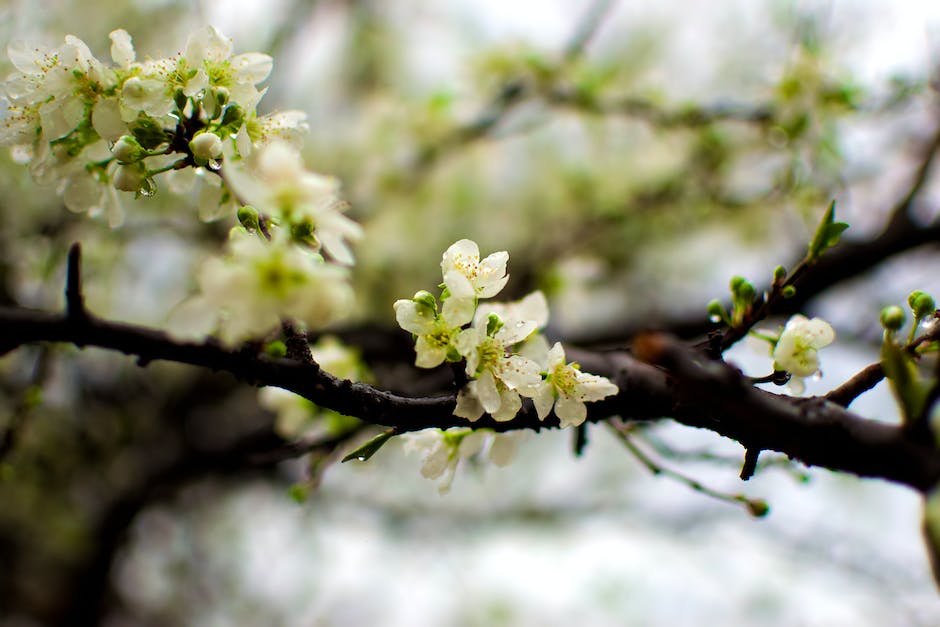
[
  {"x": 361, "y": 458},
  {"x": 714, "y": 318}
]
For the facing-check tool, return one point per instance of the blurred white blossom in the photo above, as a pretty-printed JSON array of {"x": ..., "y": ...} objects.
[{"x": 797, "y": 350}]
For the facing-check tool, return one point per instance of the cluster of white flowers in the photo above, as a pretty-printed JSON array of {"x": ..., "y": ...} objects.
[
  {"x": 442, "y": 451},
  {"x": 247, "y": 292},
  {"x": 97, "y": 128},
  {"x": 100, "y": 130},
  {"x": 797, "y": 349},
  {"x": 506, "y": 358}
]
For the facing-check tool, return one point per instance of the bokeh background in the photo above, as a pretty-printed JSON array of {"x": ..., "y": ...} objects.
[{"x": 629, "y": 175}]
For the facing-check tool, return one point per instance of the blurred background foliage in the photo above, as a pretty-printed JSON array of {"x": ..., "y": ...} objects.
[{"x": 630, "y": 158}]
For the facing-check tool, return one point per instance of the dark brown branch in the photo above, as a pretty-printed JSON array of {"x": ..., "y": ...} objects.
[
  {"x": 706, "y": 395},
  {"x": 713, "y": 395},
  {"x": 74, "y": 298},
  {"x": 865, "y": 380}
]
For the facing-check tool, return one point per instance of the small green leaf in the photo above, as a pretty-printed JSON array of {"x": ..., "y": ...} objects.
[
  {"x": 911, "y": 392},
  {"x": 827, "y": 233},
  {"x": 834, "y": 232},
  {"x": 371, "y": 447}
]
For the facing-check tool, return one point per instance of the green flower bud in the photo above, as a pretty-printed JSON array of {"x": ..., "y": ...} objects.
[
  {"x": 746, "y": 292},
  {"x": 780, "y": 273},
  {"x": 716, "y": 311},
  {"x": 425, "y": 300},
  {"x": 922, "y": 304},
  {"x": 248, "y": 218},
  {"x": 757, "y": 507},
  {"x": 892, "y": 318},
  {"x": 276, "y": 349},
  {"x": 789, "y": 291}
]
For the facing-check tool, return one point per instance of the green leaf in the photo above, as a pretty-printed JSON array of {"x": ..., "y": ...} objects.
[
  {"x": 910, "y": 391},
  {"x": 371, "y": 447},
  {"x": 827, "y": 233}
]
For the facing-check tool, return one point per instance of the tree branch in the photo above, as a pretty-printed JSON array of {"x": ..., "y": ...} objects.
[{"x": 707, "y": 395}]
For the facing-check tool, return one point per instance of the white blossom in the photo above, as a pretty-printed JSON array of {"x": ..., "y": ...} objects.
[
  {"x": 435, "y": 330},
  {"x": 244, "y": 294},
  {"x": 209, "y": 53},
  {"x": 500, "y": 377},
  {"x": 275, "y": 181},
  {"x": 466, "y": 275},
  {"x": 289, "y": 126},
  {"x": 443, "y": 450},
  {"x": 797, "y": 350},
  {"x": 568, "y": 389}
]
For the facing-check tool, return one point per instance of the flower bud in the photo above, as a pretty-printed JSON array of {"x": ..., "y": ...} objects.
[
  {"x": 128, "y": 178},
  {"x": 206, "y": 146},
  {"x": 127, "y": 149},
  {"x": 716, "y": 311},
  {"x": 248, "y": 218},
  {"x": 892, "y": 318},
  {"x": 780, "y": 273},
  {"x": 922, "y": 304},
  {"x": 425, "y": 300}
]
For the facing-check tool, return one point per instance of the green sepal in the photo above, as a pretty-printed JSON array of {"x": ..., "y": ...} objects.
[
  {"x": 909, "y": 389},
  {"x": 425, "y": 299},
  {"x": 147, "y": 132},
  {"x": 370, "y": 448},
  {"x": 179, "y": 99},
  {"x": 233, "y": 116}
]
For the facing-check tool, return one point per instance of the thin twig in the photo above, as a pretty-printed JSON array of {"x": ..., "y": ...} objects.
[
  {"x": 756, "y": 507},
  {"x": 74, "y": 299}
]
